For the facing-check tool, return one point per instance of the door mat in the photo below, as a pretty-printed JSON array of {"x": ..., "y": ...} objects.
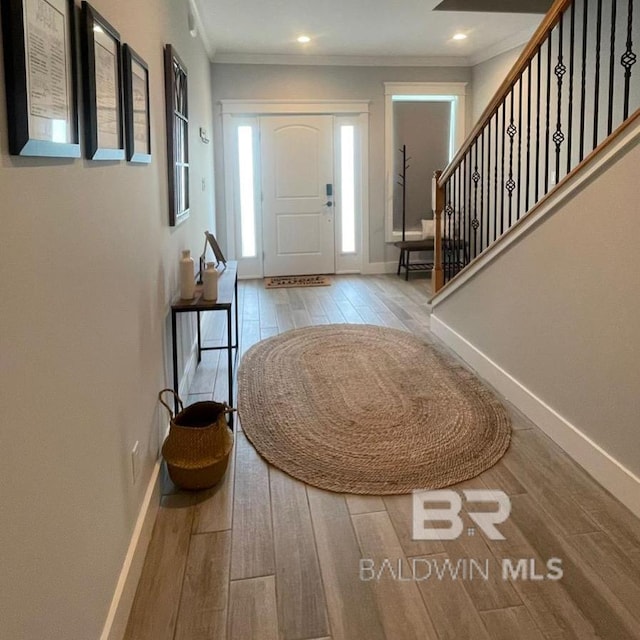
[{"x": 296, "y": 281}]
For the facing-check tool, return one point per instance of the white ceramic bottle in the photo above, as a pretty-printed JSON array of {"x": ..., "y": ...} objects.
[
  {"x": 187, "y": 276},
  {"x": 210, "y": 279}
]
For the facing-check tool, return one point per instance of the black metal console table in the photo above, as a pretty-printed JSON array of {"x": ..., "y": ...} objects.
[{"x": 227, "y": 301}]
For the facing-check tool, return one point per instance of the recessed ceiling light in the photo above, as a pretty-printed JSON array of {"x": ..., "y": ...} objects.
[
  {"x": 304, "y": 39},
  {"x": 460, "y": 36}
]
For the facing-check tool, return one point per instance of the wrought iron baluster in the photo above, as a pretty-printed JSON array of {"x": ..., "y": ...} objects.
[
  {"x": 538, "y": 109},
  {"x": 495, "y": 185},
  {"x": 528, "y": 179},
  {"x": 612, "y": 64},
  {"x": 481, "y": 187},
  {"x": 560, "y": 69},
  {"x": 467, "y": 221},
  {"x": 510, "y": 185},
  {"x": 503, "y": 134},
  {"x": 488, "y": 172},
  {"x": 583, "y": 88},
  {"x": 519, "y": 174},
  {"x": 445, "y": 257},
  {"x": 596, "y": 96},
  {"x": 476, "y": 178},
  {"x": 457, "y": 217},
  {"x": 628, "y": 59},
  {"x": 547, "y": 135},
  {"x": 572, "y": 40}
]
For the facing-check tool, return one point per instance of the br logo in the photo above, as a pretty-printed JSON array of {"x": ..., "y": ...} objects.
[{"x": 449, "y": 513}]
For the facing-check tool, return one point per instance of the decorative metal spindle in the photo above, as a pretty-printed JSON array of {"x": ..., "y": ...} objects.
[
  {"x": 510, "y": 185},
  {"x": 547, "y": 134},
  {"x": 538, "y": 108},
  {"x": 445, "y": 257},
  {"x": 596, "y": 95},
  {"x": 468, "y": 201},
  {"x": 560, "y": 70},
  {"x": 458, "y": 218},
  {"x": 612, "y": 64},
  {"x": 628, "y": 59},
  {"x": 572, "y": 39},
  {"x": 519, "y": 174},
  {"x": 495, "y": 186},
  {"x": 475, "y": 223},
  {"x": 583, "y": 88},
  {"x": 481, "y": 187},
  {"x": 528, "y": 179},
  {"x": 488, "y": 172},
  {"x": 503, "y": 135}
]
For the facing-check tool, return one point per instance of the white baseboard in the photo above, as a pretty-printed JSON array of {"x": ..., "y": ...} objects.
[
  {"x": 610, "y": 473},
  {"x": 116, "y": 623},
  {"x": 374, "y": 268}
]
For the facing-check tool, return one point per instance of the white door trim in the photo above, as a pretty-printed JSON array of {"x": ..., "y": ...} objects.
[
  {"x": 233, "y": 110},
  {"x": 454, "y": 92},
  {"x": 288, "y": 107}
]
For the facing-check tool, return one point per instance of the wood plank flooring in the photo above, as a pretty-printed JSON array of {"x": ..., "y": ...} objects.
[{"x": 265, "y": 557}]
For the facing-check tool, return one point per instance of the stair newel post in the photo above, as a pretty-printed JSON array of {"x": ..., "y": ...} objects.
[{"x": 437, "y": 199}]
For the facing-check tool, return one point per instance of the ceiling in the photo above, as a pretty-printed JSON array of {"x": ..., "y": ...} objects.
[{"x": 400, "y": 31}]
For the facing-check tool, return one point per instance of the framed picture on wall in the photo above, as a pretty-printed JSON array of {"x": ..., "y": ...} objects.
[
  {"x": 137, "y": 123},
  {"x": 103, "y": 104},
  {"x": 177, "y": 114},
  {"x": 40, "y": 74}
]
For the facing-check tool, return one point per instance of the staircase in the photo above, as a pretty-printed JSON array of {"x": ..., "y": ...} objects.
[
  {"x": 537, "y": 274},
  {"x": 571, "y": 92}
]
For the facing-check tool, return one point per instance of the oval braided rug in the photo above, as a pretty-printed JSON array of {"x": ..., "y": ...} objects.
[{"x": 369, "y": 410}]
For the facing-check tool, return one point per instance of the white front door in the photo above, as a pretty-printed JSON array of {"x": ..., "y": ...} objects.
[{"x": 297, "y": 190}]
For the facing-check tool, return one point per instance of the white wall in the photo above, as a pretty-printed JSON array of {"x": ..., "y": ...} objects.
[
  {"x": 289, "y": 82},
  {"x": 88, "y": 265},
  {"x": 487, "y": 78},
  {"x": 558, "y": 310}
]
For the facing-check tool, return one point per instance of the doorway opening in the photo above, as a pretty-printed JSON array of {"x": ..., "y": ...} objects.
[
  {"x": 430, "y": 118},
  {"x": 296, "y": 188}
]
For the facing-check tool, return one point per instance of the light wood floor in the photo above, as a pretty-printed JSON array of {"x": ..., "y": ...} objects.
[{"x": 265, "y": 557}]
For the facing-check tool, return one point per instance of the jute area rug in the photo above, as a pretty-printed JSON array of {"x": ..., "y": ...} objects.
[
  {"x": 278, "y": 282},
  {"x": 368, "y": 410}
]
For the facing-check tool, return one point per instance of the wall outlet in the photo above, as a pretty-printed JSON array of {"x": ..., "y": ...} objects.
[
  {"x": 204, "y": 184},
  {"x": 136, "y": 461}
]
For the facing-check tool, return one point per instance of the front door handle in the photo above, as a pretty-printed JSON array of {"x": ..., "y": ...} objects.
[{"x": 328, "y": 203}]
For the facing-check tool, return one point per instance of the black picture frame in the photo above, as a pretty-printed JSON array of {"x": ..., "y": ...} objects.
[
  {"x": 137, "y": 112},
  {"x": 42, "y": 111},
  {"x": 102, "y": 83},
  {"x": 177, "y": 123}
]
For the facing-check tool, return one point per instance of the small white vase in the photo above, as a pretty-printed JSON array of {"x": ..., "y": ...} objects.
[
  {"x": 210, "y": 279},
  {"x": 187, "y": 276}
]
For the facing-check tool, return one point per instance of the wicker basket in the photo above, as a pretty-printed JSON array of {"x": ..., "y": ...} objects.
[{"x": 198, "y": 445}]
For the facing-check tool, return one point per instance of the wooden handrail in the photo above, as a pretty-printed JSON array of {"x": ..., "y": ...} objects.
[{"x": 537, "y": 40}]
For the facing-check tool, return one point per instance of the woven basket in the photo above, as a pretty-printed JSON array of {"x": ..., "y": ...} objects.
[{"x": 198, "y": 445}]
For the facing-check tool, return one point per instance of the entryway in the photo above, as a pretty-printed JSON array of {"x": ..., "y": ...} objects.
[
  {"x": 298, "y": 224},
  {"x": 296, "y": 178}
]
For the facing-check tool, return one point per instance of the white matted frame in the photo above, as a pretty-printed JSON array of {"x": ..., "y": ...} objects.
[
  {"x": 452, "y": 92},
  {"x": 236, "y": 113}
]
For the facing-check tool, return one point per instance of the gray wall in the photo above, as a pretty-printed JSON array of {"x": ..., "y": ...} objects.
[
  {"x": 326, "y": 83},
  {"x": 487, "y": 78},
  {"x": 559, "y": 311},
  {"x": 424, "y": 128},
  {"x": 88, "y": 266}
]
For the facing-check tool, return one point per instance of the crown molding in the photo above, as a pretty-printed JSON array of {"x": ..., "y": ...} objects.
[
  {"x": 202, "y": 32},
  {"x": 347, "y": 61}
]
